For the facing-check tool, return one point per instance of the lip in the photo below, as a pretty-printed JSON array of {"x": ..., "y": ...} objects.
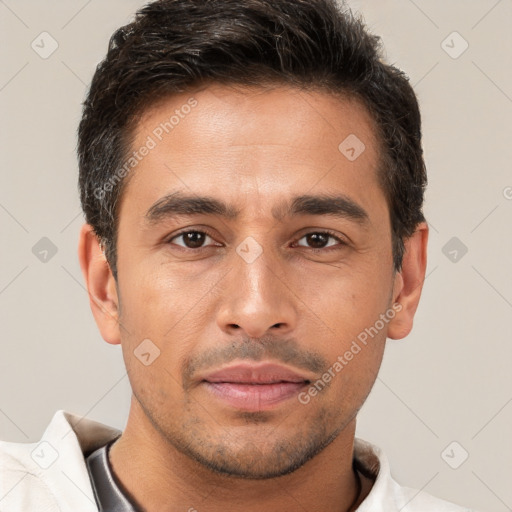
[{"x": 253, "y": 387}]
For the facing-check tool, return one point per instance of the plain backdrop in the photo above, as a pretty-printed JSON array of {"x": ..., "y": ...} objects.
[{"x": 443, "y": 394}]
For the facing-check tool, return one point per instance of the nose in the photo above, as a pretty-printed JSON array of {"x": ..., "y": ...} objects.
[{"x": 257, "y": 299}]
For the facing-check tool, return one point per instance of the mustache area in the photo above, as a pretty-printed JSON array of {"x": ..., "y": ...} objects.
[{"x": 285, "y": 351}]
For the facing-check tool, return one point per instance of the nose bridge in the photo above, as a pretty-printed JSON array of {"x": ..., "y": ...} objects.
[
  {"x": 255, "y": 297},
  {"x": 255, "y": 274}
]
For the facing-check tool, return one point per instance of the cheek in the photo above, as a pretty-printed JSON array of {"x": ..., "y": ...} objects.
[
  {"x": 353, "y": 364},
  {"x": 349, "y": 300},
  {"x": 162, "y": 301},
  {"x": 161, "y": 325},
  {"x": 353, "y": 306},
  {"x": 156, "y": 388}
]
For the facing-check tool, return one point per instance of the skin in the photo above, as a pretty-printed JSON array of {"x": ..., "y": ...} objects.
[{"x": 253, "y": 149}]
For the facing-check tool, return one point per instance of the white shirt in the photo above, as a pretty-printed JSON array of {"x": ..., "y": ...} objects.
[{"x": 51, "y": 475}]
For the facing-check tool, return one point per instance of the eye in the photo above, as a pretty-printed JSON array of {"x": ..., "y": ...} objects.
[
  {"x": 194, "y": 239},
  {"x": 320, "y": 240},
  {"x": 198, "y": 239}
]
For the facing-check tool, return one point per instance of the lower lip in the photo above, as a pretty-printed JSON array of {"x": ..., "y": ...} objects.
[{"x": 254, "y": 397}]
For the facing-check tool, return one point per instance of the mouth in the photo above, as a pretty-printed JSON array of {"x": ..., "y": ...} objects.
[{"x": 252, "y": 387}]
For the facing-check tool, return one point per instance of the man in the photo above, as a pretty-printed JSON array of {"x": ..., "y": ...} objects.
[{"x": 252, "y": 180}]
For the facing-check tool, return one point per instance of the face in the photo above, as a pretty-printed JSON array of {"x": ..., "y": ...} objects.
[{"x": 254, "y": 257}]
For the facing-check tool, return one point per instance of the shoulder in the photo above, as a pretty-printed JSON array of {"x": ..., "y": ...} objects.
[
  {"x": 47, "y": 474},
  {"x": 22, "y": 485},
  {"x": 386, "y": 495}
]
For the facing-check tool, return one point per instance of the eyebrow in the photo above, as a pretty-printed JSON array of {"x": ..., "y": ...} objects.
[{"x": 178, "y": 203}]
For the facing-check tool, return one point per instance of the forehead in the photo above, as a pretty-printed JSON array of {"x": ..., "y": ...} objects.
[{"x": 257, "y": 144}]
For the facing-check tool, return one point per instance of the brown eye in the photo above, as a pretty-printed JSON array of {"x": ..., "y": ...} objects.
[
  {"x": 319, "y": 240},
  {"x": 191, "y": 239}
]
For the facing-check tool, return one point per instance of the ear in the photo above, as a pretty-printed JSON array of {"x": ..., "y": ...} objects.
[
  {"x": 100, "y": 284},
  {"x": 409, "y": 282}
]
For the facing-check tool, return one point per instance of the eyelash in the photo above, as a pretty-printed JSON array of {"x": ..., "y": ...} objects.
[{"x": 341, "y": 243}]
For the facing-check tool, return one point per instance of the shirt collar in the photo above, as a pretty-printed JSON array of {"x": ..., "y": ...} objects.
[{"x": 108, "y": 491}]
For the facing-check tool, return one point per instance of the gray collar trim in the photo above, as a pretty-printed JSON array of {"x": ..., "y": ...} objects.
[{"x": 107, "y": 491}]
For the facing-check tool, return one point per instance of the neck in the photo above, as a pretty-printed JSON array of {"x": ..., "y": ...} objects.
[{"x": 159, "y": 477}]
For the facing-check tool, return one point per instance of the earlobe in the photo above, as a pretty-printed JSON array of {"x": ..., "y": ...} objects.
[
  {"x": 409, "y": 282},
  {"x": 100, "y": 285}
]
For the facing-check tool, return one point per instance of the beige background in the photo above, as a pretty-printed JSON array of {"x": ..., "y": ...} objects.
[{"x": 449, "y": 381}]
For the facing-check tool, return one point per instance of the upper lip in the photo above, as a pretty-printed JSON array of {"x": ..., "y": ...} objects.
[{"x": 263, "y": 373}]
